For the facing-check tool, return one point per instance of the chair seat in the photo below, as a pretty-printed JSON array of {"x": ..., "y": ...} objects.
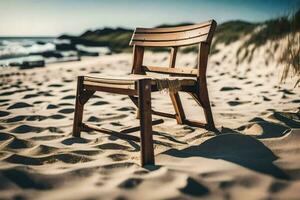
[{"x": 129, "y": 81}]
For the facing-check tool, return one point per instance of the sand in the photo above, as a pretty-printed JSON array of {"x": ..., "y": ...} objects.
[{"x": 256, "y": 156}]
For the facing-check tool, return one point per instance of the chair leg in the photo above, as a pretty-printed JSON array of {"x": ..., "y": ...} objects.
[
  {"x": 78, "y": 109},
  {"x": 204, "y": 100},
  {"x": 144, "y": 102},
  {"x": 180, "y": 116}
]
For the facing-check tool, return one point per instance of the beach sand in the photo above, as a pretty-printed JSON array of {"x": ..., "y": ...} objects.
[{"x": 256, "y": 156}]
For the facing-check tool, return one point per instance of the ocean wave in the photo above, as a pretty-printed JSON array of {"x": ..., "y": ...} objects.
[{"x": 13, "y": 49}]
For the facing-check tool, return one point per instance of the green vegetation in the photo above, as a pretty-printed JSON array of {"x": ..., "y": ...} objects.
[
  {"x": 116, "y": 39},
  {"x": 226, "y": 33},
  {"x": 291, "y": 55}
]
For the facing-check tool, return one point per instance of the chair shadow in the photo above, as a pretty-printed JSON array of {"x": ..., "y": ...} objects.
[{"x": 236, "y": 148}]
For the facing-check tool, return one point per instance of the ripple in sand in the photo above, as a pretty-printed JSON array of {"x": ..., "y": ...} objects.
[
  {"x": 52, "y": 106},
  {"x": 69, "y": 97},
  {"x": 26, "y": 129},
  {"x": 296, "y": 101},
  {"x": 55, "y": 85},
  {"x": 236, "y": 103},
  {"x": 41, "y": 149},
  {"x": 264, "y": 129},
  {"x": 128, "y": 108},
  {"x": 28, "y": 118},
  {"x": 113, "y": 146},
  {"x": 28, "y": 96},
  {"x": 3, "y": 100},
  {"x": 118, "y": 157},
  {"x": 65, "y": 104},
  {"x": 130, "y": 183},
  {"x": 193, "y": 188},
  {"x": 15, "y": 119},
  {"x": 266, "y": 98},
  {"x": 19, "y": 105},
  {"x": 66, "y": 158},
  {"x": 24, "y": 179},
  {"x": 46, "y": 137},
  {"x": 4, "y": 113},
  {"x": 25, "y": 160},
  {"x": 19, "y": 144},
  {"x": 98, "y": 103},
  {"x": 38, "y": 102},
  {"x": 88, "y": 152},
  {"x": 94, "y": 119},
  {"x": 277, "y": 186},
  {"x": 285, "y": 91},
  {"x": 36, "y": 118},
  {"x": 5, "y": 136},
  {"x": 57, "y": 116},
  {"x": 66, "y": 110},
  {"x": 229, "y": 88},
  {"x": 74, "y": 140}
]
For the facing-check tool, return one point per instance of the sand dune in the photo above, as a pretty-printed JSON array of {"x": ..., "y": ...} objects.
[{"x": 256, "y": 156}]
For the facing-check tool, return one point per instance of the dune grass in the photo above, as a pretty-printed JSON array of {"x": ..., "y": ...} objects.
[{"x": 291, "y": 54}]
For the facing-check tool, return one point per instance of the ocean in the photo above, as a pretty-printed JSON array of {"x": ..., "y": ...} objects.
[{"x": 23, "y": 51}]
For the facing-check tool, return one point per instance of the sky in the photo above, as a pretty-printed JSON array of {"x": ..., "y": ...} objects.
[{"x": 56, "y": 17}]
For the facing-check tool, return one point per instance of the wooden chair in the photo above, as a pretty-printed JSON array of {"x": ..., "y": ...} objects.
[{"x": 139, "y": 85}]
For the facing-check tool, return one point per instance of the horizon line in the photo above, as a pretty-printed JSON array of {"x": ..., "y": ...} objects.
[{"x": 115, "y": 27}]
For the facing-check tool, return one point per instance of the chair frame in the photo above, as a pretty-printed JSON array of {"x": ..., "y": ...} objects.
[{"x": 141, "y": 94}]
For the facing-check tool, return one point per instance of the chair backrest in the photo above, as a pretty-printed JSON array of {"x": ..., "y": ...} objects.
[{"x": 173, "y": 37}]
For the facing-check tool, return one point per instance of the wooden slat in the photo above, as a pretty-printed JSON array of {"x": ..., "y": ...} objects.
[
  {"x": 173, "y": 29},
  {"x": 91, "y": 127},
  {"x": 194, "y": 123},
  {"x": 171, "y": 36},
  {"x": 175, "y": 98},
  {"x": 174, "y": 43},
  {"x": 120, "y": 86},
  {"x": 111, "y": 89},
  {"x": 175, "y": 71},
  {"x": 174, "y": 36},
  {"x": 137, "y": 128},
  {"x": 111, "y": 80},
  {"x": 154, "y": 112},
  {"x": 163, "y": 114}
]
